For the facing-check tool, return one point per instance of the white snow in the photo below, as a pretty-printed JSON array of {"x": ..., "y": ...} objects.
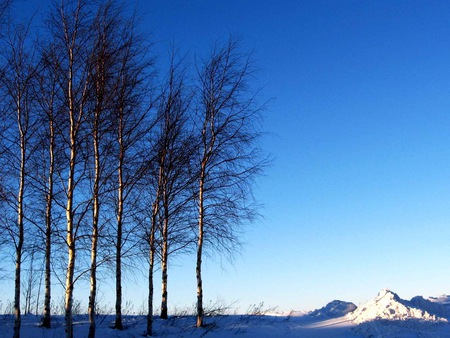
[
  {"x": 444, "y": 299},
  {"x": 387, "y": 315},
  {"x": 334, "y": 309},
  {"x": 389, "y": 306},
  {"x": 218, "y": 326},
  {"x": 390, "y": 316}
]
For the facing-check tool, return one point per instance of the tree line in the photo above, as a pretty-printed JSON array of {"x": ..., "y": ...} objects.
[{"x": 109, "y": 161}]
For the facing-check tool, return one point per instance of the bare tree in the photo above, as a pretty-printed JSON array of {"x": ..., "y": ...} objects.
[
  {"x": 102, "y": 62},
  {"x": 228, "y": 156},
  {"x": 168, "y": 180},
  {"x": 99, "y": 68},
  {"x": 117, "y": 126},
  {"x": 70, "y": 29},
  {"x": 174, "y": 149},
  {"x": 47, "y": 164},
  {"x": 17, "y": 80},
  {"x": 131, "y": 124}
]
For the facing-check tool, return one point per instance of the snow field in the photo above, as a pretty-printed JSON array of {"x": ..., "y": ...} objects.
[{"x": 386, "y": 316}]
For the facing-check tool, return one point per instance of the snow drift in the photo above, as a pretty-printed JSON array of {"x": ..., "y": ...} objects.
[
  {"x": 389, "y": 306},
  {"x": 390, "y": 316},
  {"x": 334, "y": 309}
]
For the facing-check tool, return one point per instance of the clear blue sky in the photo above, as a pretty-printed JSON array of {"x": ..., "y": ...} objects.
[{"x": 358, "y": 196}]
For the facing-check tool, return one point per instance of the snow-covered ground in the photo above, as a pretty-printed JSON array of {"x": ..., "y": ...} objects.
[{"x": 387, "y": 315}]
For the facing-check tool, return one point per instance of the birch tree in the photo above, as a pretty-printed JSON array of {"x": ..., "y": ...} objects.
[
  {"x": 131, "y": 124},
  {"x": 70, "y": 29},
  {"x": 174, "y": 149},
  {"x": 102, "y": 68},
  {"x": 17, "y": 80},
  {"x": 228, "y": 158},
  {"x": 48, "y": 98},
  {"x": 168, "y": 176}
]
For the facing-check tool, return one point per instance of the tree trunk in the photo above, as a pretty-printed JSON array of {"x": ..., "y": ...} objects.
[
  {"x": 118, "y": 324},
  {"x": 155, "y": 211},
  {"x": 20, "y": 225},
  {"x": 17, "y": 318},
  {"x": 71, "y": 251},
  {"x": 95, "y": 218},
  {"x": 164, "y": 259},
  {"x": 199, "y": 251},
  {"x": 150, "y": 293},
  {"x": 69, "y": 207},
  {"x": 69, "y": 281},
  {"x": 151, "y": 267},
  {"x": 93, "y": 285},
  {"x": 46, "y": 320},
  {"x": 93, "y": 279}
]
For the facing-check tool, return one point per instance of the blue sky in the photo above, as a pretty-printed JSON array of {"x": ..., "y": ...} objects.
[{"x": 358, "y": 196}]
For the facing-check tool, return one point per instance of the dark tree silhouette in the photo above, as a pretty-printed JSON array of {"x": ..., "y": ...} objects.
[
  {"x": 228, "y": 158},
  {"x": 17, "y": 80}
]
